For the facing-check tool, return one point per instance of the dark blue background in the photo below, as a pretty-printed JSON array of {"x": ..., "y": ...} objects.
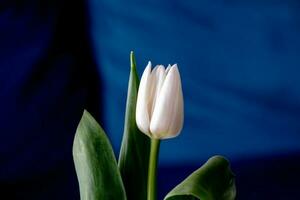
[{"x": 239, "y": 62}]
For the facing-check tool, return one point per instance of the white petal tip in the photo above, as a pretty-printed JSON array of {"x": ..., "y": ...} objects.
[{"x": 175, "y": 65}]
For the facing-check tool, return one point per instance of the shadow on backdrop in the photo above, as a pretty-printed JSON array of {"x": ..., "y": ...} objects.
[{"x": 47, "y": 78}]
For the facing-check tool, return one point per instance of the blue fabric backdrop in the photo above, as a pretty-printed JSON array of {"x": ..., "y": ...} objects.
[{"x": 239, "y": 62}]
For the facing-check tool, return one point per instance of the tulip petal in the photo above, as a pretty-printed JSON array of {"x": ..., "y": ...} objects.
[
  {"x": 152, "y": 90},
  {"x": 168, "y": 68},
  {"x": 142, "y": 109},
  {"x": 167, "y": 119},
  {"x": 178, "y": 117},
  {"x": 158, "y": 76}
]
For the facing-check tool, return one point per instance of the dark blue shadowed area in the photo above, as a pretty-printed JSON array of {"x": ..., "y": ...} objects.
[
  {"x": 273, "y": 177},
  {"x": 239, "y": 63},
  {"x": 47, "y": 78}
]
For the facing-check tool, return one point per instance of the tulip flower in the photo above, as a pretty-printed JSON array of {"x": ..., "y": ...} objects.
[{"x": 159, "y": 111}]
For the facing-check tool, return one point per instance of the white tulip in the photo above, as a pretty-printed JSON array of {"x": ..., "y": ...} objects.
[{"x": 159, "y": 110}]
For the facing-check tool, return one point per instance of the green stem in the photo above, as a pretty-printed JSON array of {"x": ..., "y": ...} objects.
[{"x": 152, "y": 169}]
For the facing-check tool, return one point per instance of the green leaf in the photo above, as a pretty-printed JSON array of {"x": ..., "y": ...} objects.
[
  {"x": 134, "y": 153},
  {"x": 95, "y": 163},
  {"x": 213, "y": 181}
]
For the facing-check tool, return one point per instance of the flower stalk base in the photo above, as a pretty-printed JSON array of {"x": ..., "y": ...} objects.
[{"x": 152, "y": 170}]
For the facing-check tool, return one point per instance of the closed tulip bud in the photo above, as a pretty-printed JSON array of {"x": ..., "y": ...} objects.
[{"x": 159, "y": 111}]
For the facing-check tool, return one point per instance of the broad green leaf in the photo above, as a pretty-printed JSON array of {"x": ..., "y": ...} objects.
[
  {"x": 213, "y": 181},
  {"x": 134, "y": 153},
  {"x": 95, "y": 163}
]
